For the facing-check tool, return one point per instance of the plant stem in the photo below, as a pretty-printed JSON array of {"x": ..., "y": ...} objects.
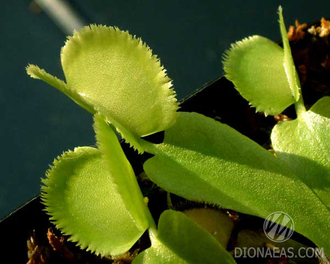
[
  {"x": 300, "y": 105},
  {"x": 148, "y": 146},
  {"x": 152, "y": 225},
  {"x": 169, "y": 201}
]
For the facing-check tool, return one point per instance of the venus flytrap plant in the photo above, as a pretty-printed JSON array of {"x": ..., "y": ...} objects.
[
  {"x": 93, "y": 195},
  {"x": 302, "y": 144}
]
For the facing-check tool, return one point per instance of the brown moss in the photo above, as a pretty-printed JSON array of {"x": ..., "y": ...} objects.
[
  {"x": 322, "y": 31},
  {"x": 297, "y": 32}
]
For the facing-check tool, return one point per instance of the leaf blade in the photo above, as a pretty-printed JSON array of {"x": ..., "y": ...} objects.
[
  {"x": 304, "y": 145},
  {"x": 204, "y": 160},
  {"x": 84, "y": 204},
  {"x": 121, "y": 172},
  {"x": 36, "y": 73},
  {"x": 120, "y": 74},
  {"x": 288, "y": 62},
  {"x": 255, "y": 66},
  {"x": 181, "y": 240}
]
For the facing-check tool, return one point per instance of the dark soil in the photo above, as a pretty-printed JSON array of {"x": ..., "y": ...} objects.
[{"x": 220, "y": 101}]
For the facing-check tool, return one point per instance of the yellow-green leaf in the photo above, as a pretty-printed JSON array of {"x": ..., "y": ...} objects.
[
  {"x": 83, "y": 202},
  {"x": 119, "y": 73},
  {"x": 181, "y": 240},
  {"x": 304, "y": 145},
  {"x": 36, "y": 73},
  {"x": 288, "y": 64},
  {"x": 204, "y": 160},
  {"x": 111, "y": 72},
  {"x": 121, "y": 172},
  {"x": 255, "y": 66}
]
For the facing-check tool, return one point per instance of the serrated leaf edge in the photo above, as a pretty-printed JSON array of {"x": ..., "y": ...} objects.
[
  {"x": 58, "y": 217},
  {"x": 165, "y": 83},
  {"x": 228, "y": 74}
]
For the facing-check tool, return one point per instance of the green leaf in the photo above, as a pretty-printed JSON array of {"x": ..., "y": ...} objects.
[
  {"x": 134, "y": 140},
  {"x": 289, "y": 66},
  {"x": 304, "y": 145},
  {"x": 85, "y": 102},
  {"x": 219, "y": 224},
  {"x": 118, "y": 76},
  {"x": 181, "y": 240},
  {"x": 121, "y": 173},
  {"x": 119, "y": 72},
  {"x": 84, "y": 203},
  {"x": 204, "y": 160},
  {"x": 255, "y": 66},
  {"x": 36, "y": 73}
]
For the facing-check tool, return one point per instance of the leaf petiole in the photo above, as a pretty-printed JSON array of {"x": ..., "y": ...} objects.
[{"x": 300, "y": 106}]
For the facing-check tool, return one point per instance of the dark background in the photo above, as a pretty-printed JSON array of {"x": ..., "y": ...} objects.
[{"x": 38, "y": 123}]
